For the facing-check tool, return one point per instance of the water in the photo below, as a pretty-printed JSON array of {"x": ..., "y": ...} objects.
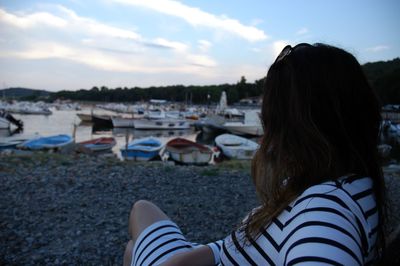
[{"x": 63, "y": 121}]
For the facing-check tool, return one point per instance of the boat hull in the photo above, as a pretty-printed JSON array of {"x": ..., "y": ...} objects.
[
  {"x": 192, "y": 157},
  {"x": 161, "y": 124},
  {"x": 243, "y": 129},
  {"x": 188, "y": 152},
  {"x": 139, "y": 155},
  {"x": 102, "y": 121},
  {"x": 43, "y": 143},
  {"x": 123, "y": 122},
  {"x": 85, "y": 117},
  {"x": 142, "y": 149},
  {"x": 235, "y": 147},
  {"x": 100, "y": 144}
]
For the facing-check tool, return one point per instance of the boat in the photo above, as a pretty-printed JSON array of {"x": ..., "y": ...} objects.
[
  {"x": 123, "y": 122},
  {"x": 188, "y": 152},
  {"x": 235, "y": 147},
  {"x": 102, "y": 121},
  {"x": 99, "y": 144},
  {"x": 6, "y": 120},
  {"x": 44, "y": 143},
  {"x": 137, "y": 133},
  {"x": 85, "y": 117},
  {"x": 161, "y": 124},
  {"x": 142, "y": 149},
  {"x": 250, "y": 126}
]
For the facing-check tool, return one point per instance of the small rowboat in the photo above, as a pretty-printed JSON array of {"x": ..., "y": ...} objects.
[
  {"x": 236, "y": 147},
  {"x": 99, "y": 144},
  {"x": 142, "y": 149},
  {"x": 43, "y": 143},
  {"x": 188, "y": 152}
]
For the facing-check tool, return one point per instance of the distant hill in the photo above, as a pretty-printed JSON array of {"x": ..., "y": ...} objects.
[
  {"x": 23, "y": 93},
  {"x": 384, "y": 77}
]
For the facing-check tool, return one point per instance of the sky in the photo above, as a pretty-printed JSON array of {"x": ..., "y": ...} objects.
[{"x": 75, "y": 44}]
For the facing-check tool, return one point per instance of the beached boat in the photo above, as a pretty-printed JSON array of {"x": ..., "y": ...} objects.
[
  {"x": 43, "y": 143},
  {"x": 236, "y": 147},
  {"x": 99, "y": 144},
  {"x": 250, "y": 126},
  {"x": 142, "y": 149},
  {"x": 188, "y": 152},
  {"x": 161, "y": 124}
]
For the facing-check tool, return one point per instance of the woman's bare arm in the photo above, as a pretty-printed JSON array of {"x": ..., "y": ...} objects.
[{"x": 202, "y": 256}]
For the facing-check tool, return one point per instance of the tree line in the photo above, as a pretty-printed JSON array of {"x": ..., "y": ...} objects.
[
  {"x": 177, "y": 93},
  {"x": 384, "y": 77}
]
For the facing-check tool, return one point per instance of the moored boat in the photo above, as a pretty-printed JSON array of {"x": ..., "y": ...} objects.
[
  {"x": 99, "y": 144},
  {"x": 123, "y": 122},
  {"x": 85, "y": 117},
  {"x": 250, "y": 126},
  {"x": 44, "y": 143},
  {"x": 102, "y": 121},
  {"x": 188, "y": 152},
  {"x": 235, "y": 147},
  {"x": 142, "y": 149},
  {"x": 161, "y": 124}
]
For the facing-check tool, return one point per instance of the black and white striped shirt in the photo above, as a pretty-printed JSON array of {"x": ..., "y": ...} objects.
[{"x": 333, "y": 222}]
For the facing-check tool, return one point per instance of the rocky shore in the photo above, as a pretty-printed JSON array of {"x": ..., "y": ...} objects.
[{"x": 73, "y": 209}]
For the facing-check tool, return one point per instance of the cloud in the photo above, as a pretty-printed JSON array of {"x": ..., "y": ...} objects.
[
  {"x": 302, "y": 31},
  {"x": 378, "y": 48},
  {"x": 197, "y": 17},
  {"x": 204, "y": 45},
  {"x": 92, "y": 43},
  {"x": 32, "y": 20}
]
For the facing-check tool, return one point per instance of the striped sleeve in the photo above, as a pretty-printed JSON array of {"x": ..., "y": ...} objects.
[{"x": 216, "y": 249}]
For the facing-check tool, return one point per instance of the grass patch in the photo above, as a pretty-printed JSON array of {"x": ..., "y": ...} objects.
[
  {"x": 210, "y": 172},
  {"x": 242, "y": 165}
]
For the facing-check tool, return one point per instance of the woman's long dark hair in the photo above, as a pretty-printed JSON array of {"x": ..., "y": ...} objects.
[{"x": 321, "y": 121}]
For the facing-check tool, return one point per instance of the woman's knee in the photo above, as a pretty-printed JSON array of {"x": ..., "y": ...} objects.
[{"x": 143, "y": 214}]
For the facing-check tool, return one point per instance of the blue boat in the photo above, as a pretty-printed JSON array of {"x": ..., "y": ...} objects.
[
  {"x": 142, "y": 149},
  {"x": 51, "y": 142}
]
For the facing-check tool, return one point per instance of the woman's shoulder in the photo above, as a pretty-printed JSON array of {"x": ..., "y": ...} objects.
[{"x": 355, "y": 197}]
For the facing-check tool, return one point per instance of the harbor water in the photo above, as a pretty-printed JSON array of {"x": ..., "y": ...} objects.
[{"x": 67, "y": 122}]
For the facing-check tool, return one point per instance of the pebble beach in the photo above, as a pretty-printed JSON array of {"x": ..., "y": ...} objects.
[{"x": 61, "y": 209}]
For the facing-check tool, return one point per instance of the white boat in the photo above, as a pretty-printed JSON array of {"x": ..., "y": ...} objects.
[
  {"x": 235, "y": 147},
  {"x": 4, "y": 123},
  {"x": 123, "y": 122},
  {"x": 250, "y": 126},
  {"x": 161, "y": 124},
  {"x": 84, "y": 117},
  {"x": 188, "y": 152}
]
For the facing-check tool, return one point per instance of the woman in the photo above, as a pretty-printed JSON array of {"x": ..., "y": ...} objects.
[{"x": 317, "y": 175}]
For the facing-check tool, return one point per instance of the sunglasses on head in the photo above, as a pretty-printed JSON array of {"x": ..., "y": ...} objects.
[{"x": 289, "y": 49}]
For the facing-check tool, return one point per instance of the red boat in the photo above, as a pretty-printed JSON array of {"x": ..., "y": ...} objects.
[{"x": 99, "y": 144}]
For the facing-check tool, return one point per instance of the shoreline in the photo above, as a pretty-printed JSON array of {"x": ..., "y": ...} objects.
[{"x": 73, "y": 209}]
